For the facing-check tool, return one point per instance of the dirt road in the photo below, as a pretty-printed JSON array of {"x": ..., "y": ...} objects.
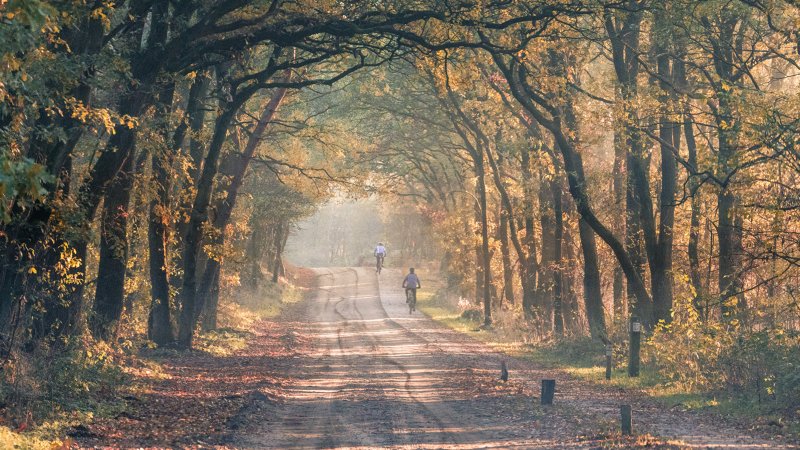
[{"x": 371, "y": 375}]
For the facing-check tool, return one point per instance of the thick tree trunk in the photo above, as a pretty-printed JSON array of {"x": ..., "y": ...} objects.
[
  {"x": 112, "y": 266},
  {"x": 547, "y": 279},
  {"x": 209, "y": 295},
  {"x": 592, "y": 295},
  {"x": 159, "y": 325},
  {"x": 197, "y": 115},
  {"x": 199, "y": 215},
  {"x": 233, "y": 169},
  {"x": 671, "y": 72},
  {"x": 196, "y": 112},
  {"x": 633, "y": 240},
  {"x": 573, "y": 167},
  {"x": 28, "y": 230},
  {"x": 727, "y": 233}
]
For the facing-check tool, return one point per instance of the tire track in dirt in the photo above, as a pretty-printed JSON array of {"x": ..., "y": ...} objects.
[
  {"x": 422, "y": 410},
  {"x": 358, "y": 324},
  {"x": 378, "y": 377},
  {"x": 600, "y": 405}
]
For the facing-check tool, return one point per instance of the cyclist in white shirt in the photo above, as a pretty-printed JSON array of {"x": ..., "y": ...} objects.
[{"x": 380, "y": 253}]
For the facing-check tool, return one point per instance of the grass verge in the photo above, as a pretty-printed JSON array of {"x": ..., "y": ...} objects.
[
  {"x": 584, "y": 359},
  {"x": 50, "y": 398}
]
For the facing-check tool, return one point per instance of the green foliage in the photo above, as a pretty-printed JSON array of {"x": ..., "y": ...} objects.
[
  {"x": 763, "y": 364},
  {"x": 697, "y": 356},
  {"x": 22, "y": 183},
  {"x": 687, "y": 351},
  {"x": 80, "y": 378}
]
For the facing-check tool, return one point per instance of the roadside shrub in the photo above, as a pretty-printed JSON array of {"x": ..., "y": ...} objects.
[
  {"x": 40, "y": 385},
  {"x": 714, "y": 357},
  {"x": 687, "y": 351},
  {"x": 764, "y": 365}
]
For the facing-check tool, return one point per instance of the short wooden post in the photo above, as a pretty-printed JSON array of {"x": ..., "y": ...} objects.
[
  {"x": 626, "y": 424},
  {"x": 609, "y": 355},
  {"x": 635, "y": 347},
  {"x": 548, "y": 391}
]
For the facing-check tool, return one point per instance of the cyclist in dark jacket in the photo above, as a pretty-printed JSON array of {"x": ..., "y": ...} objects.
[{"x": 411, "y": 283}]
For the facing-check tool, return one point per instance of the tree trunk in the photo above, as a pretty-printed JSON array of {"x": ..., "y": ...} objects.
[
  {"x": 573, "y": 167},
  {"x": 63, "y": 316},
  {"x": 529, "y": 287},
  {"x": 251, "y": 273},
  {"x": 508, "y": 276},
  {"x": 112, "y": 266},
  {"x": 546, "y": 286},
  {"x": 694, "y": 221},
  {"x": 485, "y": 256},
  {"x": 281, "y": 235},
  {"x": 570, "y": 311},
  {"x": 727, "y": 234},
  {"x": 592, "y": 295},
  {"x": 620, "y": 193},
  {"x": 159, "y": 325},
  {"x": 558, "y": 235},
  {"x": 209, "y": 291},
  {"x": 199, "y": 214},
  {"x": 233, "y": 170}
]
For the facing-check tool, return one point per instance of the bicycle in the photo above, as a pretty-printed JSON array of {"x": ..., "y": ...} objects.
[
  {"x": 411, "y": 299},
  {"x": 379, "y": 263}
]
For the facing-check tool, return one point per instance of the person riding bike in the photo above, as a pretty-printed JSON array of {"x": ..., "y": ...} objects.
[
  {"x": 411, "y": 283},
  {"x": 380, "y": 253}
]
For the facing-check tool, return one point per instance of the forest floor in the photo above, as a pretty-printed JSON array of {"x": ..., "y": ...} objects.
[{"x": 350, "y": 367}]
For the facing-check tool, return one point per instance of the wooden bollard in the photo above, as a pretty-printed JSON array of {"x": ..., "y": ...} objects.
[
  {"x": 609, "y": 362},
  {"x": 548, "y": 391},
  {"x": 635, "y": 347},
  {"x": 626, "y": 424}
]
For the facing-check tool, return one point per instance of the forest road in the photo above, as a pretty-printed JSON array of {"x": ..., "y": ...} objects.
[{"x": 374, "y": 375}]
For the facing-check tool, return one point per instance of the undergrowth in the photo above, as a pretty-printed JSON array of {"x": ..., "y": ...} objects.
[
  {"x": 750, "y": 376},
  {"x": 44, "y": 394}
]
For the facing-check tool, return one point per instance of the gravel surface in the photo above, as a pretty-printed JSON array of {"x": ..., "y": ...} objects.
[{"x": 366, "y": 373}]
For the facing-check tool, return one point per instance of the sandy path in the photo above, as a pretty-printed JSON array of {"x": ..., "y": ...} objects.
[{"x": 375, "y": 376}]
